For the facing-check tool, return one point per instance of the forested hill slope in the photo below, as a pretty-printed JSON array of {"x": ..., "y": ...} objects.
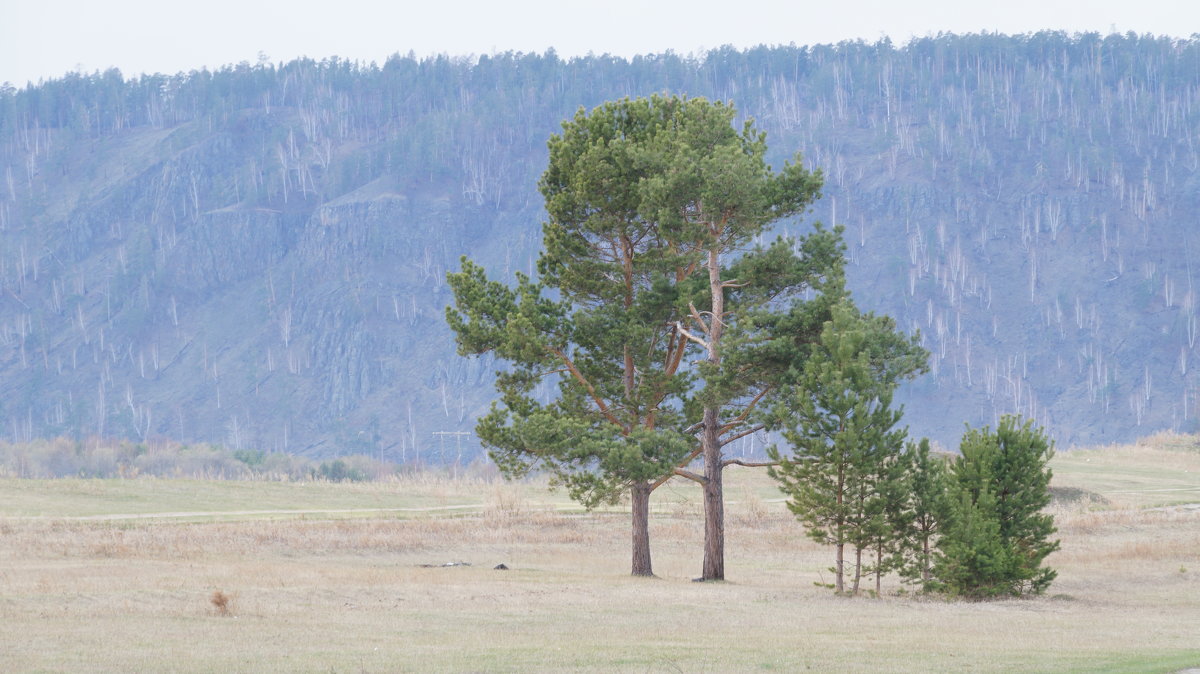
[{"x": 256, "y": 256}]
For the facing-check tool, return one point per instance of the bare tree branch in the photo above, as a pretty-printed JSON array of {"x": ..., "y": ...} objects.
[
  {"x": 689, "y": 475},
  {"x": 683, "y": 331},
  {"x": 739, "y": 419},
  {"x": 748, "y": 464},
  {"x": 696, "y": 316},
  {"x": 590, "y": 389},
  {"x": 676, "y": 354},
  {"x": 739, "y": 436},
  {"x": 662, "y": 480}
]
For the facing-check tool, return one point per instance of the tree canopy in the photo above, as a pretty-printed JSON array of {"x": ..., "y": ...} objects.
[
  {"x": 606, "y": 340},
  {"x": 656, "y": 206}
]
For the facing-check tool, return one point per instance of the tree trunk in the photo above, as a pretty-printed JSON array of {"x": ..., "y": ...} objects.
[
  {"x": 839, "y": 585},
  {"x": 714, "y": 495},
  {"x": 925, "y": 561},
  {"x": 878, "y": 570},
  {"x": 640, "y": 498},
  {"x": 714, "y": 503},
  {"x": 857, "y": 568}
]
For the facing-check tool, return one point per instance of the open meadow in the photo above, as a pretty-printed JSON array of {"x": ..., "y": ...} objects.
[{"x": 179, "y": 575}]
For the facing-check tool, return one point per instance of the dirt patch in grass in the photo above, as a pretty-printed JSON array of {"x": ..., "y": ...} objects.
[{"x": 1075, "y": 496}]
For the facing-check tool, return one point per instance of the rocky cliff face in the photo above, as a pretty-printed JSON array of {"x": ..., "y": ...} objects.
[{"x": 256, "y": 257}]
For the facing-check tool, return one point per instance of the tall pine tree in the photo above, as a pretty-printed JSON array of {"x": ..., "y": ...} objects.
[
  {"x": 746, "y": 310},
  {"x": 598, "y": 325},
  {"x": 655, "y": 210}
]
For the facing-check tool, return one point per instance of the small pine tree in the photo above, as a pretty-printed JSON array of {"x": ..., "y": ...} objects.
[
  {"x": 892, "y": 521},
  {"x": 926, "y": 512},
  {"x": 974, "y": 560},
  {"x": 840, "y": 424},
  {"x": 996, "y": 536}
]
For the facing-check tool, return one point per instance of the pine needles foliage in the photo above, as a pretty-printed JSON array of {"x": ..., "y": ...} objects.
[{"x": 996, "y": 535}]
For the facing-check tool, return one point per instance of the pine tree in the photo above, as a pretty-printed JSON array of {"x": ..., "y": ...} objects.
[
  {"x": 926, "y": 508},
  {"x": 892, "y": 514},
  {"x": 717, "y": 196},
  {"x": 997, "y": 536},
  {"x": 840, "y": 476},
  {"x": 655, "y": 206},
  {"x": 598, "y": 325},
  {"x": 973, "y": 559}
]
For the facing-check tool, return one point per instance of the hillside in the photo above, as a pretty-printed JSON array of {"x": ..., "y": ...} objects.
[{"x": 256, "y": 256}]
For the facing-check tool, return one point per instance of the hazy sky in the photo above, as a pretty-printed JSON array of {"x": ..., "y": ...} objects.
[{"x": 47, "y": 38}]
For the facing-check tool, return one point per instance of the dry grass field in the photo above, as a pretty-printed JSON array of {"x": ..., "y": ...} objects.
[{"x": 163, "y": 575}]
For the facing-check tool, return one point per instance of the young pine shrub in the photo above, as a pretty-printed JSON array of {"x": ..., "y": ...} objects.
[{"x": 996, "y": 535}]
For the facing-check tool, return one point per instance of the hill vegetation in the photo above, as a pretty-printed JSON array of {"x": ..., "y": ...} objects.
[{"x": 256, "y": 256}]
